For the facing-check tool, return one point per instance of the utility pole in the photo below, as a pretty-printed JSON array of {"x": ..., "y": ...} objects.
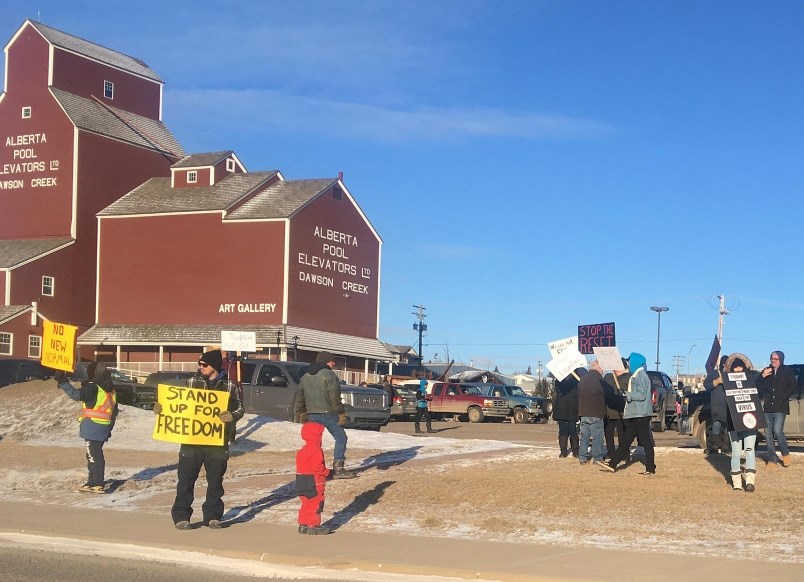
[
  {"x": 421, "y": 327},
  {"x": 678, "y": 363},
  {"x": 723, "y": 312}
]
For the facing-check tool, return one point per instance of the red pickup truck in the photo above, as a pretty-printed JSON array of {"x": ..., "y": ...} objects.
[{"x": 452, "y": 398}]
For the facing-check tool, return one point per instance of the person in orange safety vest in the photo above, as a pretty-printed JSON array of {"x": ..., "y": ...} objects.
[{"x": 97, "y": 419}]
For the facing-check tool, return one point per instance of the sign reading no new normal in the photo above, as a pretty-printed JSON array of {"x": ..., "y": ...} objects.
[{"x": 58, "y": 346}]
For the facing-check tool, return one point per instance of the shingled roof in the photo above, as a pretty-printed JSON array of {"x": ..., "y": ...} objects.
[
  {"x": 91, "y": 115},
  {"x": 281, "y": 199},
  {"x": 95, "y": 51},
  {"x": 14, "y": 252},
  {"x": 157, "y": 197},
  {"x": 202, "y": 160},
  {"x": 203, "y": 335}
]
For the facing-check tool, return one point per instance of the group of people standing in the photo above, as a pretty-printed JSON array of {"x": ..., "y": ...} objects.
[
  {"x": 599, "y": 408},
  {"x": 318, "y": 406},
  {"x": 776, "y": 384}
]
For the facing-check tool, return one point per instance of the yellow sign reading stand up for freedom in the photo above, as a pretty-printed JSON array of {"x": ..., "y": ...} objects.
[
  {"x": 190, "y": 416},
  {"x": 58, "y": 346}
]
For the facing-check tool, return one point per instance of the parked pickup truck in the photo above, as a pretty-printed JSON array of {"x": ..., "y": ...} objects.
[
  {"x": 455, "y": 399},
  {"x": 523, "y": 407},
  {"x": 696, "y": 412},
  {"x": 663, "y": 399},
  {"x": 269, "y": 388}
]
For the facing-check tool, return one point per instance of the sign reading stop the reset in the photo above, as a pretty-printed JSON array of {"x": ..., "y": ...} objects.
[
  {"x": 190, "y": 416},
  {"x": 58, "y": 346}
]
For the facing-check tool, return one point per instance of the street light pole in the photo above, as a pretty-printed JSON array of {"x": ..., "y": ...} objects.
[
  {"x": 658, "y": 311},
  {"x": 688, "y": 358}
]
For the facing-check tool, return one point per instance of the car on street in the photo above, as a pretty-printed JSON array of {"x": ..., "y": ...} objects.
[
  {"x": 663, "y": 400},
  {"x": 403, "y": 404}
]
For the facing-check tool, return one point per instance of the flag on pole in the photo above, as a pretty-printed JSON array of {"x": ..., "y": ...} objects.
[{"x": 714, "y": 356}]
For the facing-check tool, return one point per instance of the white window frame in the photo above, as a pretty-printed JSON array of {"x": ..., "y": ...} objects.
[
  {"x": 230, "y": 165},
  {"x": 26, "y": 112},
  {"x": 52, "y": 286},
  {"x": 108, "y": 89},
  {"x": 192, "y": 177},
  {"x": 9, "y": 343},
  {"x": 34, "y": 346}
]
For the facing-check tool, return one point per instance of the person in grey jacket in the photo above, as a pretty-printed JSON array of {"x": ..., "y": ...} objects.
[
  {"x": 636, "y": 416},
  {"x": 319, "y": 400}
]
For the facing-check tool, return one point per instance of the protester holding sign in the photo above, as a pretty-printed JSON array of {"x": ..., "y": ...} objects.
[
  {"x": 742, "y": 441},
  {"x": 214, "y": 458},
  {"x": 96, "y": 421},
  {"x": 591, "y": 409},
  {"x": 565, "y": 412}
]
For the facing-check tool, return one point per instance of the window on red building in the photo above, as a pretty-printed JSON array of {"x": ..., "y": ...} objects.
[
  {"x": 108, "y": 89},
  {"x": 6, "y": 343},
  {"x": 26, "y": 112},
  {"x": 48, "y": 286},
  {"x": 34, "y": 346}
]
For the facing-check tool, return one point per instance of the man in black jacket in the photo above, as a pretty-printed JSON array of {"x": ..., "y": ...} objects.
[
  {"x": 592, "y": 409},
  {"x": 214, "y": 458},
  {"x": 777, "y": 383}
]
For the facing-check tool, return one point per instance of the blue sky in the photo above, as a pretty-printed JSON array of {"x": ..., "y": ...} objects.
[{"x": 530, "y": 165}]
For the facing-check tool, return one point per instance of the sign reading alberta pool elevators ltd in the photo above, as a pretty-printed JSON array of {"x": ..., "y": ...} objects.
[
  {"x": 599, "y": 335},
  {"x": 744, "y": 403},
  {"x": 58, "y": 346},
  {"x": 190, "y": 416}
]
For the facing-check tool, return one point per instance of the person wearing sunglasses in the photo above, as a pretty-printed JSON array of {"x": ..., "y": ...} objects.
[{"x": 214, "y": 458}]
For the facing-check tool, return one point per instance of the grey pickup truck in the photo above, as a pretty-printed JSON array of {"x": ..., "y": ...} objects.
[{"x": 269, "y": 388}]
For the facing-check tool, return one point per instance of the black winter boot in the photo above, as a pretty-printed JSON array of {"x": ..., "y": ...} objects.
[{"x": 338, "y": 472}]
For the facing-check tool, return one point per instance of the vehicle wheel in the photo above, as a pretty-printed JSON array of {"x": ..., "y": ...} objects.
[
  {"x": 660, "y": 426},
  {"x": 520, "y": 415},
  {"x": 475, "y": 414},
  {"x": 700, "y": 434}
]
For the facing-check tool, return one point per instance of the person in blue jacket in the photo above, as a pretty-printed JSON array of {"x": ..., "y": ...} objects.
[
  {"x": 636, "y": 416},
  {"x": 97, "y": 419}
]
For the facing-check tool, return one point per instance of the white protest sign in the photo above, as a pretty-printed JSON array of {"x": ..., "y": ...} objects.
[
  {"x": 561, "y": 345},
  {"x": 608, "y": 357},
  {"x": 563, "y": 365},
  {"x": 238, "y": 341}
]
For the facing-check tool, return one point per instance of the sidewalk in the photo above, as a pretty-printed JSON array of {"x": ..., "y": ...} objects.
[{"x": 385, "y": 553}]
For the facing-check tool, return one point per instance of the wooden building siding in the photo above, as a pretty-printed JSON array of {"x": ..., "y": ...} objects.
[
  {"x": 180, "y": 177},
  {"x": 333, "y": 284},
  {"x": 190, "y": 269},
  {"x": 27, "y": 63},
  {"x": 81, "y": 76}
]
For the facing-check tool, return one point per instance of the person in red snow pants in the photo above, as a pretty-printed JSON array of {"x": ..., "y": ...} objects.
[{"x": 311, "y": 479}]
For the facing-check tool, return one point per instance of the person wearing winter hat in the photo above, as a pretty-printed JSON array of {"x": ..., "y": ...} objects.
[
  {"x": 214, "y": 458},
  {"x": 97, "y": 419},
  {"x": 714, "y": 383},
  {"x": 636, "y": 417},
  {"x": 776, "y": 384},
  {"x": 742, "y": 441},
  {"x": 319, "y": 400}
]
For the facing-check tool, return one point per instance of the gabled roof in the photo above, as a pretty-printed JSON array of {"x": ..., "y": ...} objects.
[
  {"x": 95, "y": 51},
  {"x": 282, "y": 199},
  {"x": 10, "y": 312},
  {"x": 204, "y": 335},
  {"x": 157, "y": 197},
  {"x": 202, "y": 160},
  {"x": 91, "y": 115},
  {"x": 15, "y": 252}
]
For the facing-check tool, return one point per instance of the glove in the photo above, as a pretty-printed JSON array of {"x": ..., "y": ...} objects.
[
  {"x": 157, "y": 408},
  {"x": 60, "y": 376},
  {"x": 226, "y": 416},
  {"x": 343, "y": 420}
]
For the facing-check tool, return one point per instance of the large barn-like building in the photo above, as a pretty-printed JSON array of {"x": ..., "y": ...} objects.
[{"x": 107, "y": 224}]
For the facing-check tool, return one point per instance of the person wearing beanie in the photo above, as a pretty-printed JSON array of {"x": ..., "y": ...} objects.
[
  {"x": 636, "y": 417},
  {"x": 319, "y": 400},
  {"x": 776, "y": 385},
  {"x": 213, "y": 458},
  {"x": 97, "y": 419}
]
